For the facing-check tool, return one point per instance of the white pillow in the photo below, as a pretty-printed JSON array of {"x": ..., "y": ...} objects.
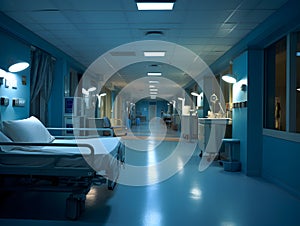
[
  {"x": 27, "y": 130},
  {"x": 4, "y": 138}
]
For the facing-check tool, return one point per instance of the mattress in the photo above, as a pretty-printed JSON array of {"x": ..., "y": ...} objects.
[{"x": 105, "y": 159}]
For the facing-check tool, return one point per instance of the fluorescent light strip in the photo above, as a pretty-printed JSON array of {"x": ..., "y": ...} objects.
[
  {"x": 154, "y": 73},
  {"x": 153, "y": 93},
  {"x": 152, "y": 86},
  {"x": 155, "y": 5},
  {"x": 154, "y": 53},
  {"x": 153, "y": 90}
]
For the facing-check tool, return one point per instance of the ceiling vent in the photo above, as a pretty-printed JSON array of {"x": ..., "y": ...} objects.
[{"x": 154, "y": 33}]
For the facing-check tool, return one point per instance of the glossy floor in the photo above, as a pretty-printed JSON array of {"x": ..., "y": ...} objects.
[{"x": 189, "y": 197}]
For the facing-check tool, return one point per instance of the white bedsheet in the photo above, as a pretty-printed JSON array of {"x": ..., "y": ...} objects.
[
  {"x": 100, "y": 145},
  {"x": 104, "y": 159}
]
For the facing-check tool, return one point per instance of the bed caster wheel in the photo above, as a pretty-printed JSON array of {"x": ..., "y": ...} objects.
[
  {"x": 111, "y": 185},
  {"x": 74, "y": 207},
  {"x": 81, "y": 205}
]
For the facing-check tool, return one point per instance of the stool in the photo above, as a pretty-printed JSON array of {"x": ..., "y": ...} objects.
[{"x": 232, "y": 165}]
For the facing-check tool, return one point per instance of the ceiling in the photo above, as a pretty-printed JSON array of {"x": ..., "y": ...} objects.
[{"x": 87, "y": 29}]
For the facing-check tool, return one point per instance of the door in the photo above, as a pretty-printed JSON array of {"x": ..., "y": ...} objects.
[{"x": 152, "y": 110}]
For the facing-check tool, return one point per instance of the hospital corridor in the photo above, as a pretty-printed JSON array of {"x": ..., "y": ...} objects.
[{"x": 149, "y": 112}]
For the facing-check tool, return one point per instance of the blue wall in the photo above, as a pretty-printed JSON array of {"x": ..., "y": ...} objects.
[
  {"x": 274, "y": 158},
  {"x": 13, "y": 49},
  {"x": 281, "y": 163},
  {"x": 247, "y": 121},
  {"x": 239, "y": 115},
  {"x": 255, "y": 111},
  {"x": 16, "y": 41},
  {"x": 142, "y": 107}
]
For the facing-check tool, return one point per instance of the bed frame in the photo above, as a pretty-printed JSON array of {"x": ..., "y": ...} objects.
[{"x": 49, "y": 177}]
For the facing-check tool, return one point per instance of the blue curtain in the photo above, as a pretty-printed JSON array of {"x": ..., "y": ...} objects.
[{"x": 41, "y": 77}]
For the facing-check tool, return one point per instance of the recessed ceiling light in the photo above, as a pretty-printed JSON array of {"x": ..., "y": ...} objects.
[
  {"x": 153, "y": 82},
  {"x": 155, "y": 5},
  {"x": 152, "y": 86},
  {"x": 154, "y": 73},
  {"x": 153, "y": 97},
  {"x": 154, "y": 53},
  {"x": 153, "y": 90},
  {"x": 153, "y": 93}
]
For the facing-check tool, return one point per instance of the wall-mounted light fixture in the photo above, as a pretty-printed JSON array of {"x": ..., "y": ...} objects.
[
  {"x": 195, "y": 94},
  {"x": 199, "y": 98},
  {"x": 99, "y": 98},
  {"x": 298, "y": 89},
  {"x": 19, "y": 66},
  {"x": 230, "y": 77},
  {"x": 88, "y": 91}
]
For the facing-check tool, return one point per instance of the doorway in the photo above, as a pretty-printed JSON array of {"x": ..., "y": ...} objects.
[{"x": 152, "y": 110}]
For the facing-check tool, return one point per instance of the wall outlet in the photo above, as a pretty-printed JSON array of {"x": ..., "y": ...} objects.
[
  {"x": 19, "y": 102},
  {"x": 4, "y": 101}
]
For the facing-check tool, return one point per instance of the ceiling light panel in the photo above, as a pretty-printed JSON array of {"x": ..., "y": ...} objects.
[
  {"x": 155, "y": 5},
  {"x": 153, "y": 82},
  {"x": 154, "y": 74},
  {"x": 154, "y": 53}
]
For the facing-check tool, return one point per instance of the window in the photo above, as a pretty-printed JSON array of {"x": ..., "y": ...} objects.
[{"x": 275, "y": 86}]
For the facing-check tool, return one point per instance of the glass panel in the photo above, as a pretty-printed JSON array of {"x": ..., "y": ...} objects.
[{"x": 275, "y": 86}]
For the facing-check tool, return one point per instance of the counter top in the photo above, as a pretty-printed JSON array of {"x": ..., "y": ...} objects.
[{"x": 214, "y": 120}]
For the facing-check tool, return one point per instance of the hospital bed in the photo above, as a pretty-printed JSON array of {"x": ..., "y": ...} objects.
[{"x": 49, "y": 164}]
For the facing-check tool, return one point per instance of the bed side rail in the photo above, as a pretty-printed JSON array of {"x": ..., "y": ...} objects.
[
  {"x": 22, "y": 144},
  {"x": 81, "y": 131}
]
